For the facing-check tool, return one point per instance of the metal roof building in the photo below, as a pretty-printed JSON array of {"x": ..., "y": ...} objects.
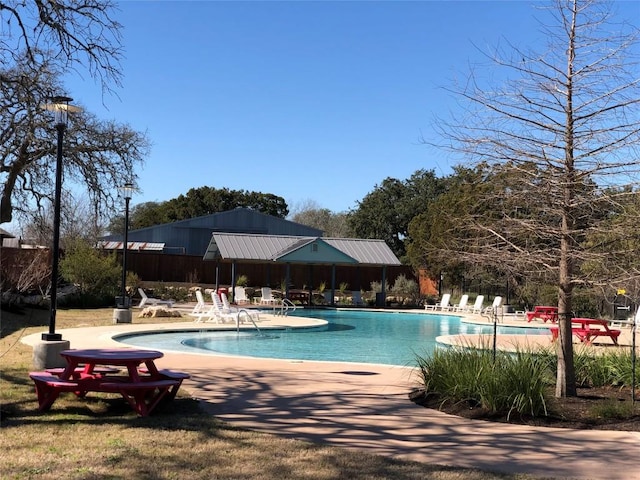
[
  {"x": 270, "y": 248},
  {"x": 289, "y": 250},
  {"x": 191, "y": 236},
  {"x": 297, "y": 249}
]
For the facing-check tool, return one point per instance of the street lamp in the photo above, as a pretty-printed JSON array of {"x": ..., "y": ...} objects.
[
  {"x": 61, "y": 108},
  {"x": 127, "y": 192}
]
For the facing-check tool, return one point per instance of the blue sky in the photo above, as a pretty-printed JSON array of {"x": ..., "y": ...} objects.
[{"x": 306, "y": 100}]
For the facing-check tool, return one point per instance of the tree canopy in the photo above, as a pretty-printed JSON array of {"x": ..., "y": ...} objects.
[
  {"x": 198, "y": 202},
  {"x": 67, "y": 34},
  {"x": 332, "y": 224},
  {"x": 385, "y": 212}
]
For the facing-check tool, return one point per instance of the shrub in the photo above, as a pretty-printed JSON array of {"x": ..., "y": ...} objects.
[
  {"x": 513, "y": 383},
  {"x": 95, "y": 274},
  {"x": 407, "y": 290}
]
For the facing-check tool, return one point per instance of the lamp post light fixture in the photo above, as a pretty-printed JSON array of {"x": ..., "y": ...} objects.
[
  {"x": 127, "y": 191},
  {"x": 61, "y": 108}
]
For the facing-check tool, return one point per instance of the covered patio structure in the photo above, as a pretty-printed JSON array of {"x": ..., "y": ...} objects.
[{"x": 285, "y": 250}]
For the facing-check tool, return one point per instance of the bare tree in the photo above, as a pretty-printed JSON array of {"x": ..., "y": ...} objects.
[
  {"x": 559, "y": 141},
  {"x": 98, "y": 154},
  {"x": 311, "y": 214},
  {"x": 69, "y": 33}
]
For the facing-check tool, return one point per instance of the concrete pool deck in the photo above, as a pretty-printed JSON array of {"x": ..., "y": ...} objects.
[{"x": 366, "y": 407}]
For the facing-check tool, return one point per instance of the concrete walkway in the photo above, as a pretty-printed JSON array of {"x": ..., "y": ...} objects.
[{"x": 362, "y": 406}]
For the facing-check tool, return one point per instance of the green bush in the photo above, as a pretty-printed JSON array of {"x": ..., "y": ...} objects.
[
  {"x": 407, "y": 290},
  {"x": 169, "y": 292},
  {"x": 513, "y": 383},
  {"x": 97, "y": 276},
  {"x": 610, "y": 368}
]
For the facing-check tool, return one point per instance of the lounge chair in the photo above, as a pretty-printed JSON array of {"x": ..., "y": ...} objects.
[
  {"x": 494, "y": 306},
  {"x": 462, "y": 305},
  {"x": 267, "y": 297},
  {"x": 146, "y": 300},
  {"x": 240, "y": 296},
  {"x": 219, "y": 313},
  {"x": 227, "y": 308},
  {"x": 443, "y": 305},
  {"x": 200, "y": 311},
  {"x": 477, "y": 306}
]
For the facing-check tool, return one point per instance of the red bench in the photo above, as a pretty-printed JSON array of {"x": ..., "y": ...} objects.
[
  {"x": 171, "y": 375},
  {"x": 79, "y": 370},
  {"x": 142, "y": 396},
  {"x": 48, "y": 387}
]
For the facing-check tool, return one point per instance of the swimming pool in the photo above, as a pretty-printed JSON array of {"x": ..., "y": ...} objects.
[{"x": 391, "y": 338}]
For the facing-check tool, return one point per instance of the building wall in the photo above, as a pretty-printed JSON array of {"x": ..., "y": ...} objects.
[{"x": 156, "y": 267}]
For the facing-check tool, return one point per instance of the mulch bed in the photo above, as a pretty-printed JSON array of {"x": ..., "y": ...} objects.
[{"x": 604, "y": 408}]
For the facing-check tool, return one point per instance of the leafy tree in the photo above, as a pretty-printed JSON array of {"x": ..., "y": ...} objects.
[
  {"x": 557, "y": 135},
  {"x": 385, "y": 212},
  {"x": 334, "y": 225},
  {"x": 94, "y": 274}
]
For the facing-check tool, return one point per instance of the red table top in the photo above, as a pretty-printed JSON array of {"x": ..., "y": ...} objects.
[{"x": 111, "y": 356}]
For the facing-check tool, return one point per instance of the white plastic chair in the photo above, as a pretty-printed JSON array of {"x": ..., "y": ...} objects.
[
  {"x": 443, "y": 305},
  {"x": 462, "y": 305},
  {"x": 495, "y": 305},
  {"x": 477, "y": 306},
  {"x": 267, "y": 297},
  {"x": 240, "y": 296}
]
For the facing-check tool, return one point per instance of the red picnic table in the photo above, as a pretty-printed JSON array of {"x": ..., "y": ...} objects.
[
  {"x": 544, "y": 313},
  {"x": 588, "y": 328},
  {"x": 142, "y": 385}
]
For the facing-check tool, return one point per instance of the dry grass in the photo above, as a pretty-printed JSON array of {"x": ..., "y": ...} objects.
[{"x": 101, "y": 438}]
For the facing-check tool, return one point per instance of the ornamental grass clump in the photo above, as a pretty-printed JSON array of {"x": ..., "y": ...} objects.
[
  {"x": 512, "y": 383},
  {"x": 609, "y": 368}
]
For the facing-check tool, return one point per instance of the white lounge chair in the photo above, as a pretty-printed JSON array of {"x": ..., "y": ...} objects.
[
  {"x": 267, "y": 297},
  {"x": 218, "y": 312},
  {"x": 494, "y": 306},
  {"x": 462, "y": 305},
  {"x": 201, "y": 311},
  {"x": 443, "y": 305},
  {"x": 227, "y": 308},
  {"x": 477, "y": 306},
  {"x": 146, "y": 300}
]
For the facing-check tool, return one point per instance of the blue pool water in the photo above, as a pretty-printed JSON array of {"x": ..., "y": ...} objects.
[{"x": 351, "y": 336}]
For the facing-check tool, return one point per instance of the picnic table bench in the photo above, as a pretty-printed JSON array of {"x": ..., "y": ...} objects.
[
  {"x": 543, "y": 313},
  {"x": 143, "y": 388},
  {"x": 586, "y": 329}
]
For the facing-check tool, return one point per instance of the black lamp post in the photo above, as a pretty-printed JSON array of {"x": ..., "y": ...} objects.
[
  {"x": 61, "y": 108},
  {"x": 127, "y": 192}
]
